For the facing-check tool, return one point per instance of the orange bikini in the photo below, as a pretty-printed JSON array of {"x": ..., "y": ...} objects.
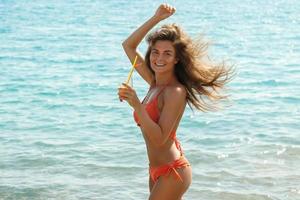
[{"x": 163, "y": 170}]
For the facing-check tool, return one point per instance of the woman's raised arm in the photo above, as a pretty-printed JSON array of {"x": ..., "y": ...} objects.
[{"x": 131, "y": 43}]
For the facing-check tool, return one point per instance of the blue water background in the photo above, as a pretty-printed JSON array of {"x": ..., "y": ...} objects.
[{"x": 65, "y": 135}]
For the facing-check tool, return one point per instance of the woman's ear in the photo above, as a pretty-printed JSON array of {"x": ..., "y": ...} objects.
[{"x": 176, "y": 60}]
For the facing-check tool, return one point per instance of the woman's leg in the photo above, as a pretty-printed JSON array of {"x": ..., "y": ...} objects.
[{"x": 170, "y": 188}]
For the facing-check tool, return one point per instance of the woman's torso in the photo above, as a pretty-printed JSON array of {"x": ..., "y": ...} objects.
[{"x": 168, "y": 152}]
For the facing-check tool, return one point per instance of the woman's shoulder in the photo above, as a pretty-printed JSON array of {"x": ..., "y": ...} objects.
[
  {"x": 175, "y": 91},
  {"x": 174, "y": 94}
]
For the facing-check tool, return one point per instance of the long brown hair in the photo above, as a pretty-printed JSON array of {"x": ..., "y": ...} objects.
[{"x": 201, "y": 77}]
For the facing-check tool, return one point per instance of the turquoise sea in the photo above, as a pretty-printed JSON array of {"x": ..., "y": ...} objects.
[{"x": 65, "y": 135}]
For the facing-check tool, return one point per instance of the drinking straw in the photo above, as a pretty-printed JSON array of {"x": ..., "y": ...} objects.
[{"x": 131, "y": 70}]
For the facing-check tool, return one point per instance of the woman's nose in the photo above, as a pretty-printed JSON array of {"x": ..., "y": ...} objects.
[{"x": 160, "y": 57}]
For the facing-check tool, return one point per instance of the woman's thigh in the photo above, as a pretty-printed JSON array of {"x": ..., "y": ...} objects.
[{"x": 170, "y": 188}]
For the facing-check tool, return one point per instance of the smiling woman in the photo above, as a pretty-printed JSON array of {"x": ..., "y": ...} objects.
[{"x": 174, "y": 69}]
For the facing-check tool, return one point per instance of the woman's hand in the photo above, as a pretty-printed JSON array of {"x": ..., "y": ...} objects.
[
  {"x": 128, "y": 94},
  {"x": 164, "y": 11}
]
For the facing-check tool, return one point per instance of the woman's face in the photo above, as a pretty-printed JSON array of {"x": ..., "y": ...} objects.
[{"x": 163, "y": 56}]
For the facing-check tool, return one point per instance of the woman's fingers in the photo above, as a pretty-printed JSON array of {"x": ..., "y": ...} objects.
[
  {"x": 125, "y": 93},
  {"x": 169, "y": 8},
  {"x": 126, "y": 86},
  {"x": 173, "y": 9},
  {"x": 125, "y": 89},
  {"x": 165, "y": 5},
  {"x": 128, "y": 94},
  {"x": 164, "y": 11}
]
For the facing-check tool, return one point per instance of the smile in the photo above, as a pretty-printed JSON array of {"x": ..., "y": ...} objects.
[{"x": 160, "y": 65}]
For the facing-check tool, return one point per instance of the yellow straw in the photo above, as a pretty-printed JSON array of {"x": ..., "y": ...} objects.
[{"x": 131, "y": 70}]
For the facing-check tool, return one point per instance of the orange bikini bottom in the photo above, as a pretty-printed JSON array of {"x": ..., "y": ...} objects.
[{"x": 165, "y": 170}]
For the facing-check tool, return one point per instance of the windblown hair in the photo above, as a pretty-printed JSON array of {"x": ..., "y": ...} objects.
[{"x": 201, "y": 77}]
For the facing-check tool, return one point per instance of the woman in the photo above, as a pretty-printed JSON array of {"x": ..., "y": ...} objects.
[{"x": 177, "y": 74}]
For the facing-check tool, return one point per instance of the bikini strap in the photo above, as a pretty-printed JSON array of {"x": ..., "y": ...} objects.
[
  {"x": 156, "y": 96},
  {"x": 161, "y": 90},
  {"x": 152, "y": 85},
  {"x": 178, "y": 146},
  {"x": 147, "y": 94}
]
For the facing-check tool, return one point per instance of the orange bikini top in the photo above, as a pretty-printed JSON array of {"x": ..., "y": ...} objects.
[{"x": 152, "y": 110}]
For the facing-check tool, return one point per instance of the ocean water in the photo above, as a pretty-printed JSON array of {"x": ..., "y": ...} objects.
[{"x": 65, "y": 135}]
